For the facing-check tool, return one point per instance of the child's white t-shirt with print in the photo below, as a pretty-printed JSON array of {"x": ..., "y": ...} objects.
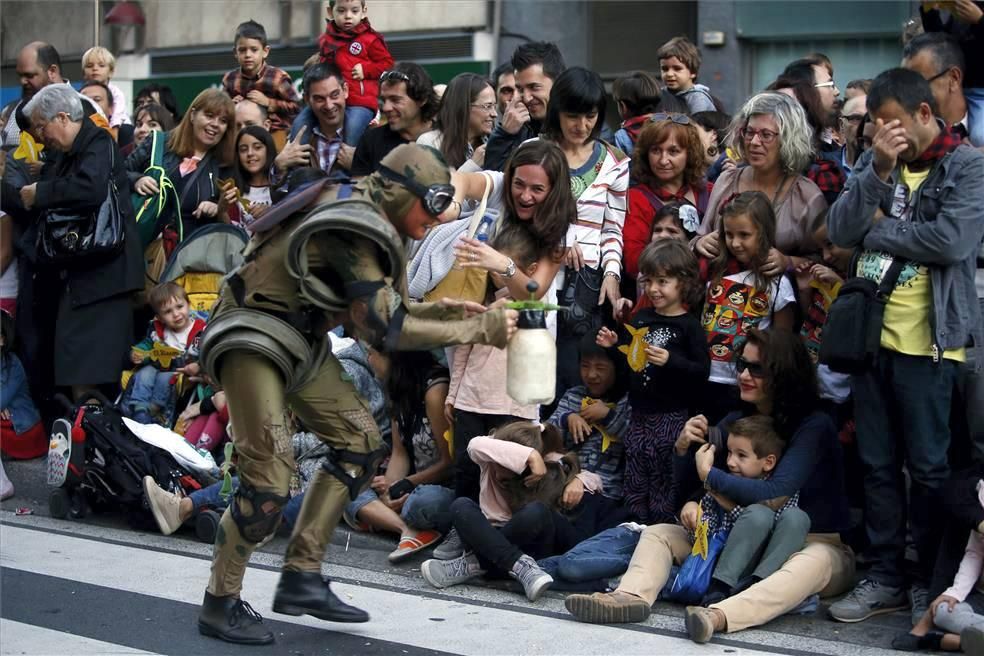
[
  {"x": 178, "y": 340},
  {"x": 732, "y": 307}
]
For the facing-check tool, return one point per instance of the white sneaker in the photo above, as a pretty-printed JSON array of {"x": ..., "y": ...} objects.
[
  {"x": 445, "y": 573},
  {"x": 164, "y": 505}
]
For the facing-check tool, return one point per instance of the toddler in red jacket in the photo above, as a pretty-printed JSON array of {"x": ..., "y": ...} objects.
[{"x": 361, "y": 54}]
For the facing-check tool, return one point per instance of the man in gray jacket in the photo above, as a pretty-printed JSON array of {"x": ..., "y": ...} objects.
[{"x": 918, "y": 197}]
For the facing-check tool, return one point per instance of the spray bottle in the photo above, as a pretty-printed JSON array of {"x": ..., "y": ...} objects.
[{"x": 531, "y": 369}]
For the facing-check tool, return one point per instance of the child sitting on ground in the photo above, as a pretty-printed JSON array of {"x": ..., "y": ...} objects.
[
  {"x": 763, "y": 536},
  {"x": 360, "y": 53},
  {"x": 99, "y": 65},
  {"x": 170, "y": 345},
  {"x": 679, "y": 64},
  {"x": 267, "y": 86},
  {"x": 21, "y": 430}
]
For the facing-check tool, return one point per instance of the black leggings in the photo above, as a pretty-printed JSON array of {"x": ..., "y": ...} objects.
[{"x": 535, "y": 530}]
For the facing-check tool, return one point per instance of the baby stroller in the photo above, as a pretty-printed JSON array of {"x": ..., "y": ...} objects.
[
  {"x": 198, "y": 264},
  {"x": 96, "y": 462}
]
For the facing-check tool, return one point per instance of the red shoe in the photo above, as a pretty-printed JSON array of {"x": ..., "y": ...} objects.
[{"x": 410, "y": 545}]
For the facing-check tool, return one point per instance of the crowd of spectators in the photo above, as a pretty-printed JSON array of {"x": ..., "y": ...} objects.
[{"x": 697, "y": 252}]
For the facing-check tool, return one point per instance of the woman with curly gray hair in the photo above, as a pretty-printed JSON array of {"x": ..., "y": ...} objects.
[{"x": 773, "y": 141}]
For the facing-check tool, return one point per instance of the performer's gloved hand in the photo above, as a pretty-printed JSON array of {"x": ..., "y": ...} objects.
[{"x": 401, "y": 488}]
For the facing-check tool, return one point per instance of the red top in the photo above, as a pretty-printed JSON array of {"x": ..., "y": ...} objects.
[{"x": 363, "y": 46}]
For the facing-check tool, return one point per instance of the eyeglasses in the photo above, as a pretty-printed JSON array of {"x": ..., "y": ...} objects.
[
  {"x": 437, "y": 198},
  {"x": 825, "y": 85},
  {"x": 754, "y": 369},
  {"x": 765, "y": 136},
  {"x": 851, "y": 118},
  {"x": 938, "y": 75},
  {"x": 679, "y": 119},
  {"x": 488, "y": 108},
  {"x": 394, "y": 76}
]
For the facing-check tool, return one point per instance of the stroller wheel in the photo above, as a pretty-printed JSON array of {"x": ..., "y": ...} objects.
[
  {"x": 80, "y": 507},
  {"x": 59, "y": 503},
  {"x": 206, "y": 525}
]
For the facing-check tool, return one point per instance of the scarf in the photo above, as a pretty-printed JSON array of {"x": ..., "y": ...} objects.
[
  {"x": 606, "y": 437},
  {"x": 945, "y": 143},
  {"x": 634, "y": 126},
  {"x": 680, "y": 196}
]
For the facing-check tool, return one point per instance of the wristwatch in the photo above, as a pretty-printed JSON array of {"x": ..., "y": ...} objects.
[{"x": 510, "y": 268}]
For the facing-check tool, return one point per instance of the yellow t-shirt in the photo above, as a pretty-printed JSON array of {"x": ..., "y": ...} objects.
[{"x": 907, "y": 327}]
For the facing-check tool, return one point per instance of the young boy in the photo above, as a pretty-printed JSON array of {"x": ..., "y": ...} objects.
[
  {"x": 763, "y": 535},
  {"x": 360, "y": 53},
  {"x": 171, "y": 343},
  {"x": 98, "y": 65},
  {"x": 679, "y": 63},
  {"x": 267, "y": 86}
]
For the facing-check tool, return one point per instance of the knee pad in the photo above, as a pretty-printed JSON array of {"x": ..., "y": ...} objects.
[
  {"x": 263, "y": 513},
  {"x": 353, "y": 469}
]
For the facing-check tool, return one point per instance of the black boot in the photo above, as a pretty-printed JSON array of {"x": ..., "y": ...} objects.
[
  {"x": 233, "y": 620},
  {"x": 306, "y": 593}
]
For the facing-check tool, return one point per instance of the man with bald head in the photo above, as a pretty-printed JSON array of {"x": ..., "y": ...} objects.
[
  {"x": 850, "y": 119},
  {"x": 249, "y": 113},
  {"x": 38, "y": 65}
]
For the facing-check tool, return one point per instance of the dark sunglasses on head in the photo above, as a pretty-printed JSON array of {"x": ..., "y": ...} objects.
[
  {"x": 679, "y": 119},
  {"x": 437, "y": 198},
  {"x": 394, "y": 76},
  {"x": 755, "y": 369}
]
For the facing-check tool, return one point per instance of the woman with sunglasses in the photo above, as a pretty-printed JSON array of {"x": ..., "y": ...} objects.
[
  {"x": 668, "y": 165},
  {"x": 463, "y": 122},
  {"x": 771, "y": 135},
  {"x": 776, "y": 379}
]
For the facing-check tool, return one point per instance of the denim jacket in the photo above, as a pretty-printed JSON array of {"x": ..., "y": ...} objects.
[
  {"x": 945, "y": 234},
  {"x": 14, "y": 394}
]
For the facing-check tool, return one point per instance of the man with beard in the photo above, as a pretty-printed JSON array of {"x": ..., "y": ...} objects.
[{"x": 38, "y": 65}]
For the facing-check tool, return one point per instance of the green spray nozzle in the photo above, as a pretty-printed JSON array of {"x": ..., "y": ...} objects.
[{"x": 532, "y": 304}]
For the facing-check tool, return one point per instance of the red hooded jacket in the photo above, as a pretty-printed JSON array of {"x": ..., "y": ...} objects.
[{"x": 363, "y": 46}]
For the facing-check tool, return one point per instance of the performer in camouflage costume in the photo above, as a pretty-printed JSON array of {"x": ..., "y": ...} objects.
[{"x": 306, "y": 270}]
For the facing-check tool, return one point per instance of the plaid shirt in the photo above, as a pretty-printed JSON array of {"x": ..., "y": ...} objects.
[
  {"x": 719, "y": 519},
  {"x": 827, "y": 175},
  {"x": 327, "y": 148},
  {"x": 275, "y": 84}
]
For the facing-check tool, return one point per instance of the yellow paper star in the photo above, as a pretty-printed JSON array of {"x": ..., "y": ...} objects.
[
  {"x": 606, "y": 437},
  {"x": 29, "y": 150},
  {"x": 635, "y": 352}
]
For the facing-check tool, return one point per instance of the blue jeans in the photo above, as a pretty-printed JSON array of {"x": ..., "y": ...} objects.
[
  {"x": 150, "y": 387},
  {"x": 902, "y": 409},
  {"x": 975, "y": 115},
  {"x": 208, "y": 498},
  {"x": 427, "y": 507},
  {"x": 603, "y": 556},
  {"x": 357, "y": 119}
]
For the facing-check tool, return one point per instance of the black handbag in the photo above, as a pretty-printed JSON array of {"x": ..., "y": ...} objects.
[
  {"x": 580, "y": 295},
  {"x": 68, "y": 238},
  {"x": 852, "y": 333}
]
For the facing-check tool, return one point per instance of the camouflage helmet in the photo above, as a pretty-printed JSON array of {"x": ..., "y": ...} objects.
[{"x": 422, "y": 164}]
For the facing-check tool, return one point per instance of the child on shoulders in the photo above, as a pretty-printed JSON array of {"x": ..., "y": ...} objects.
[
  {"x": 679, "y": 64},
  {"x": 171, "y": 344},
  {"x": 666, "y": 353},
  {"x": 762, "y": 536},
  {"x": 99, "y": 65}
]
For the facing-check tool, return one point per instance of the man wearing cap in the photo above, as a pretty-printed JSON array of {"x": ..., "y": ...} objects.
[{"x": 304, "y": 272}]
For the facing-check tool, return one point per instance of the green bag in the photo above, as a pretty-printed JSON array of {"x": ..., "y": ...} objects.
[{"x": 152, "y": 211}]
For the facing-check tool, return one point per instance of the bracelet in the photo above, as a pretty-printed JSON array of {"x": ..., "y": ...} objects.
[
  {"x": 510, "y": 268},
  {"x": 614, "y": 275}
]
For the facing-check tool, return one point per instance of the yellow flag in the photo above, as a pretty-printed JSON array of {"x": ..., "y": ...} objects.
[{"x": 700, "y": 534}]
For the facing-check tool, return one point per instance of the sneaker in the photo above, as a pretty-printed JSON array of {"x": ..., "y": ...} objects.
[
  {"x": 919, "y": 600},
  {"x": 607, "y": 607},
  {"x": 867, "y": 599},
  {"x": 411, "y": 544},
  {"x": 445, "y": 573},
  {"x": 164, "y": 506},
  {"x": 451, "y": 548},
  {"x": 535, "y": 581}
]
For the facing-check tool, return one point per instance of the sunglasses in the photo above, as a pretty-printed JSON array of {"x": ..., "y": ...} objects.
[
  {"x": 754, "y": 369},
  {"x": 394, "y": 76},
  {"x": 436, "y": 198},
  {"x": 825, "y": 85},
  {"x": 679, "y": 119}
]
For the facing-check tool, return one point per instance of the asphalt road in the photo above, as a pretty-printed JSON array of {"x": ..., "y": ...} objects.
[{"x": 98, "y": 587}]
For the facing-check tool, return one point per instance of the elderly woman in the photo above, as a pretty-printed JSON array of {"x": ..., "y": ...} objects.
[
  {"x": 86, "y": 318},
  {"x": 199, "y": 153},
  {"x": 772, "y": 136}
]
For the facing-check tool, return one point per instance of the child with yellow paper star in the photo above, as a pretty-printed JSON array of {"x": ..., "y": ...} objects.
[{"x": 664, "y": 346}]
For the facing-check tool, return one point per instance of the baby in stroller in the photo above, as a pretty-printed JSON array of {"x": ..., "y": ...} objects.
[{"x": 171, "y": 345}]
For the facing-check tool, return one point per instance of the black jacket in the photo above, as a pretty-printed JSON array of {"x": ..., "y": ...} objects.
[
  {"x": 501, "y": 144},
  {"x": 79, "y": 180},
  {"x": 205, "y": 184}
]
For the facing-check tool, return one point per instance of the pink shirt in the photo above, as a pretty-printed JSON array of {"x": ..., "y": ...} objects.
[
  {"x": 972, "y": 563},
  {"x": 499, "y": 459}
]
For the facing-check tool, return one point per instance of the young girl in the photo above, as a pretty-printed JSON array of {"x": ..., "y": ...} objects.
[
  {"x": 524, "y": 478},
  {"x": 665, "y": 349},
  {"x": 247, "y": 197},
  {"x": 98, "y": 65},
  {"x": 739, "y": 295},
  {"x": 477, "y": 400}
]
